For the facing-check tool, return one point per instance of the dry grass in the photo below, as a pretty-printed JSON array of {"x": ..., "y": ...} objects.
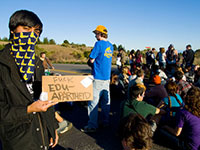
[{"x": 61, "y": 54}]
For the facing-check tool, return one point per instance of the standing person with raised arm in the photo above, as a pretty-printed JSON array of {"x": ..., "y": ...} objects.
[
  {"x": 25, "y": 122},
  {"x": 101, "y": 58}
]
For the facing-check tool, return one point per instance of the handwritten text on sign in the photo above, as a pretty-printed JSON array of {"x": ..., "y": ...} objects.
[{"x": 68, "y": 88}]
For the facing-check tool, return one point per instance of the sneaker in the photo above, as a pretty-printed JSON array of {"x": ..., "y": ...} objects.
[
  {"x": 64, "y": 127},
  {"x": 88, "y": 129}
]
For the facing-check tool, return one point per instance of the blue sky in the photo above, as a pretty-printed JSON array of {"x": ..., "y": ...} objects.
[{"x": 133, "y": 23}]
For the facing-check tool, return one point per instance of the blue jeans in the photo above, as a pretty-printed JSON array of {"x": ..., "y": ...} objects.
[{"x": 101, "y": 91}]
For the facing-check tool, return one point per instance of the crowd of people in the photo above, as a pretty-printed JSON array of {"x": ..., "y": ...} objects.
[
  {"x": 164, "y": 91},
  {"x": 159, "y": 95}
]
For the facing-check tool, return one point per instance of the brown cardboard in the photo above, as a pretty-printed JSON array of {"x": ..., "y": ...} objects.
[{"x": 67, "y": 88}]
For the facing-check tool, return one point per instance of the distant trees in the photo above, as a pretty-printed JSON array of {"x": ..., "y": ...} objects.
[
  {"x": 66, "y": 42},
  {"x": 4, "y": 39},
  {"x": 46, "y": 41},
  {"x": 52, "y": 41},
  {"x": 115, "y": 47}
]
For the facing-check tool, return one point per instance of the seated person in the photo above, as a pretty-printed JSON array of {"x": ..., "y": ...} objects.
[
  {"x": 133, "y": 75},
  {"x": 188, "y": 121},
  {"x": 124, "y": 77},
  {"x": 156, "y": 93},
  {"x": 136, "y": 104},
  {"x": 189, "y": 73},
  {"x": 172, "y": 103},
  {"x": 197, "y": 76},
  {"x": 162, "y": 75},
  {"x": 183, "y": 86},
  {"x": 138, "y": 80},
  {"x": 135, "y": 133}
]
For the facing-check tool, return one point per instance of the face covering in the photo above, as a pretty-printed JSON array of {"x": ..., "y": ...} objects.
[{"x": 23, "y": 51}]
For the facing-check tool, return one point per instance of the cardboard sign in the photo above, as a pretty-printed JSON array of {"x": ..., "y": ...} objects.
[{"x": 68, "y": 88}]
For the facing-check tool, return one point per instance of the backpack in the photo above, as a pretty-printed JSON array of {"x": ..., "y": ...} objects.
[{"x": 173, "y": 109}]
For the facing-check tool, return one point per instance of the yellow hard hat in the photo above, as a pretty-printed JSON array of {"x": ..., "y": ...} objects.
[{"x": 101, "y": 29}]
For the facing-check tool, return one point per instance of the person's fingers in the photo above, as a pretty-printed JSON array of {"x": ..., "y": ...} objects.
[
  {"x": 56, "y": 140},
  {"x": 55, "y": 143},
  {"x": 47, "y": 105},
  {"x": 51, "y": 142},
  {"x": 51, "y": 104}
]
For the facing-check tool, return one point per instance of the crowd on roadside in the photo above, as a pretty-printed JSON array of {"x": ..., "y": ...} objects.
[{"x": 164, "y": 93}]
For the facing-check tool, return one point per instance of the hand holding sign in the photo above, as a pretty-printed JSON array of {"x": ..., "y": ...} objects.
[{"x": 40, "y": 106}]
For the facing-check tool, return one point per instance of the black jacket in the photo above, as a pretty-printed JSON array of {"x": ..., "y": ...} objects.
[
  {"x": 189, "y": 56},
  {"x": 19, "y": 130}
]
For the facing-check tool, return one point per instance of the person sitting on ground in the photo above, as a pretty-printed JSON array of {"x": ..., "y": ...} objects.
[
  {"x": 140, "y": 77},
  {"x": 172, "y": 103},
  {"x": 136, "y": 104},
  {"x": 135, "y": 133},
  {"x": 156, "y": 70},
  {"x": 163, "y": 76},
  {"x": 189, "y": 73},
  {"x": 124, "y": 78},
  {"x": 197, "y": 76},
  {"x": 133, "y": 75},
  {"x": 188, "y": 121},
  {"x": 157, "y": 92},
  {"x": 138, "y": 80},
  {"x": 182, "y": 86},
  {"x": 178, "y": 68}
]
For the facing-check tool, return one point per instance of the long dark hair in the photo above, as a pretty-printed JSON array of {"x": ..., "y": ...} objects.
[
  {"x": 137, "y": 54},
  {"x": 192, "y": 101}
]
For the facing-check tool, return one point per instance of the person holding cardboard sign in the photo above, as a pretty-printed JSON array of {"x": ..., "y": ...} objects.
[
  {"x": 101, "y": 58},
  {"x": 24, "y": 123}
]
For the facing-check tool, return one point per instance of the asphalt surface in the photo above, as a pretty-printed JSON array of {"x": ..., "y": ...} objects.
[{"x": 104, "y": 138}]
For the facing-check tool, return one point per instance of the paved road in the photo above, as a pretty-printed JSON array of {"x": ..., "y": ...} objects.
[
  {"x": 71, "y": 69},
  {"x": 74, "y": 139}
]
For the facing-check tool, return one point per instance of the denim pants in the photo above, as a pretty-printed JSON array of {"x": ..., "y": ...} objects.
[{"x": 101, "y": 92}]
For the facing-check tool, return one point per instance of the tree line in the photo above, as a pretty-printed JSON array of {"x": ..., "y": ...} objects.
[
  {"x": 65, "y": 42},
  {"x": 44, "y": 41}
]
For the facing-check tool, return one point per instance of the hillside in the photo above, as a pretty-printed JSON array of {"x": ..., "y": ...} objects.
[
  {"x": 65, "y": 53},
  {"x": 74, "y": 53}
]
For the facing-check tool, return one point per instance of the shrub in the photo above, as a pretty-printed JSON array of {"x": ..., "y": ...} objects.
[
  {"x": 86, "y": 54},
  {"x": 66, "y": 42},
  {"x": 78, "y": 55},
  {"x": 45, "y": 40},
  {"x": 52, "y": 41},
  {"x": 1, "y": 47},
  {"x": 5, "y": 39}
]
